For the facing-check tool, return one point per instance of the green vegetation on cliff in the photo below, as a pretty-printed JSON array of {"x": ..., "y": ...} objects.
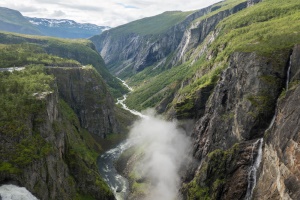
[
  {"x": 151, "y": 25},
  {"x": 14, "y": 21},
  {"x": 19, "y": 50},
  {"x": 267, "y": 28},
  {"x": 20, "y": 92},
  {"x": 44, "y": 137},
  {"x": 209, "y": 182}
]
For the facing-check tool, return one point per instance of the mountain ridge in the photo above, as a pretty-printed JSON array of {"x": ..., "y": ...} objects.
[
  {"x": 13, "y": 21},
  {"x": 65, "y": 28}
]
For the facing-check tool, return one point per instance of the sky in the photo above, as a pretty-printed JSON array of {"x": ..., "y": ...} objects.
[{"x": 101, "y": 12}]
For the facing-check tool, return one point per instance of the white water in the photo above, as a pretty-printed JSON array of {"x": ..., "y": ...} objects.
[
  {"x": 272, "y": 122},
  {"x": 125, "y": 84},
  {"x": 254, "y": 167},
  {"x": 288, "y": 74},
  {"x": 13, "y": 192},
  {"x": 118, "y": 184},
  {"x": 124, "y": 106},
  {"x": 122, "y": 101}
]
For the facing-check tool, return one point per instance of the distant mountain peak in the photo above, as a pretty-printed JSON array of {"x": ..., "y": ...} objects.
[{"x": 66, "y": 28}]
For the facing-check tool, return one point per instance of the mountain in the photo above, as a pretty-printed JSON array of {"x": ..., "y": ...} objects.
[
  {"x": 120, "y": 46},
  {"x": 54, "y": 112},
  {"x": 230, "y": 73},
  {"x": 14, "y": 21},
  {"x": 64, "y": 28}
]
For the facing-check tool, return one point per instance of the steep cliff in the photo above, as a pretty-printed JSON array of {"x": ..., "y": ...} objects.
[
  {"x": 86, "y": 93},
  {"x": 230, "y": 75},
  {"x": 279, "y": 174},
  {"x": 238, "y": 112},
  {"x": 43, "y": 146},
  {"x": 131, "y": 48},
  {"x": 36, "y": 50}
]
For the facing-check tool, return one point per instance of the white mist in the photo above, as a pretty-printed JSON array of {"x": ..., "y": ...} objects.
[{"x": 166, "y": 149}]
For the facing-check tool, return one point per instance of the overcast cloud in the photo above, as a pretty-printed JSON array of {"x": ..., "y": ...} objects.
[{"x": 101, "y": 12}]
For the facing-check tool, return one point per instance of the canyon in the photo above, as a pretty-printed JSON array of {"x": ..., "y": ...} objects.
[{"x": 222, "y": 83}]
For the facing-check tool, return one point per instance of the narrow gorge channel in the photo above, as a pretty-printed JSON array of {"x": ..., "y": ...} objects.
[
  {"x": 106, "y": 162},
  {"x": 164, "y": 146}
]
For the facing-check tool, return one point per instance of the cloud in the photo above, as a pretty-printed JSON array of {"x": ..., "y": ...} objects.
[
  {"x": 111, "y": 13},
  {"x": 128, "y": 6},
  {"x": 58, "y": 13}
]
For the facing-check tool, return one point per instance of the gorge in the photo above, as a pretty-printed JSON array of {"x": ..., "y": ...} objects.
[{"x": 208, "y": 109}]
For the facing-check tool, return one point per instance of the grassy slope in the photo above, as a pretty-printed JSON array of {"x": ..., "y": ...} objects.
[
  {"x": 36, "y": 49},
  {"x": 151, "y": 25},
  {"x": 12, "y": 20},
  {"x": 265, "y": 28}
]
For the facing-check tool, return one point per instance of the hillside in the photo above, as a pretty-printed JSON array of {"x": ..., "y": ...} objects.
[
  {"x": 14, "y": 21},
  {"x": 33, "y": 50},
  {"x": 54, "y": 112},
  {"x": 119, "y": 46},
  {"x": 233, "y": 72}
]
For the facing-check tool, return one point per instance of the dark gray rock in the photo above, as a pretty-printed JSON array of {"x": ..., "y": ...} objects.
[
  {"x": 280, "y": 175},
  {"x": 87, "y": 94},
  {"x": 242, "y": 103},
  {"x": 295, "y": 64},
  {"x": 252, "y": 2},
  {"x": 237, "y": 113}
]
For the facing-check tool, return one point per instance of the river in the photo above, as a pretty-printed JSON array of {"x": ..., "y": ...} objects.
[
  {"x": 106, "y": 162},
  {"x": 118, "y": 184}
]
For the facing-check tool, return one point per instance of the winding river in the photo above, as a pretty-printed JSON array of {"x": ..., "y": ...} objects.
[{"x": 106, "y": 162}]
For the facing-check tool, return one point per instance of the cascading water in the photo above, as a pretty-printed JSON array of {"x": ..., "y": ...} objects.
[
  {"x": 255, "y": 164},
  {"x": 288, "y": 74},
  {"x": 253, "y": 169},
  {"x": 13, "y": 192}
]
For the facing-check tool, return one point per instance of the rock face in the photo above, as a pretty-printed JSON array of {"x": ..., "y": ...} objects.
[
  {"x": 252, "y": 2},
  {"x": 40, "y": 158},
  {"x": 279, "y": 176},
  {"x": 237, "y": 113},
  {"x": 130, "y": 53},
  {"x": 199, "y": 30},
  {"x": 137, "y": 51},
  {"x": 86, "y": 93}
]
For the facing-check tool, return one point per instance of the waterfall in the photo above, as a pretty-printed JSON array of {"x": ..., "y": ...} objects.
[
  {"x": 288, "y": 74},
  {"x": 13, "y": 192},
  {"x": 253, "y": 168}
]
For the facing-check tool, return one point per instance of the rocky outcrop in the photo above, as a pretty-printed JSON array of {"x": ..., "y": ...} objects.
[
  {"x": 137, "y": 51},
  {"x": 130, "y": 53},
  {"x": 252, "y": 2},
  {"x": 86, "y": 93},
  {"x": 279, "y": 175},
  {"x": 199, "y": 30},
  {"x": 295, "y": 63},
  {"x": 38, "y": 157},
  {"x": 237, "y": 113}
]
